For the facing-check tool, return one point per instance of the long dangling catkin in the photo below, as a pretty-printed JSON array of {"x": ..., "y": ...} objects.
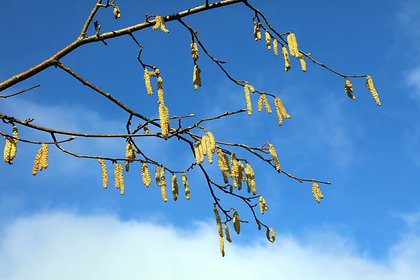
[
  {"x": 293, "y": 45},
  {"x": 218, "y": 221},
  {"x": 9, "y": 152},
  {"x": 175, "y": 187},
  {"x": 187, "y": 187},
  {"x": 6, "y": 151},
  {"x": 157, "y": 175},
  {"x": 119, "y": 177},
  {"x": 257, "y": 31},
  {"x": 198, "y": 152},
  {"x": 236, "y": 222},
  {"x": 273, "y": 155},
  {"x": 371, "y": 88},
  {"x": 163, "y": 184},
  {"x": 235, "y": 169},
  {"x": 145, "y": 175},
  {"x": 280, "y": 110},
  {"x": 212, "y": 146},
  {"x": 164, "y": 120},
  {"x": 276, "y": 47},
  {"x": 241, "y": 174},
  {"x": 348, "y": 88},
  {"x": 194, "y": 50},
  {"x": 147, "y": 82},
  {"x": 44, "y": 157},
  {"x": 104, "y": 173},
  {"x": 222, "y": 246},
  {"x": 302, "y": 62},
  {"x": 205, "y": 144},
  {"x": 286, "y": 58},
  {"x": 37, "y": 162},
  {"x": 263, "y": 205},
  {"x": 161, "y": 95},
  {"x": 196, "y": 77},
  {"x": 270, "y": 234},
  {"x": 248, "y": 99},
  {"x": 263, "y": 101},
  {"x": 316, "y": 192},
  {"x": 130, "y": 154},
  {"x": 268, "y": 40},
  {"x": 227, "y": 233},
  {"x": 250, "y": 179},
  {"x": 223, "y": 162}
]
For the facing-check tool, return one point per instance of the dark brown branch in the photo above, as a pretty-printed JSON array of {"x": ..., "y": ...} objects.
[{"x": 20, "y": 92}]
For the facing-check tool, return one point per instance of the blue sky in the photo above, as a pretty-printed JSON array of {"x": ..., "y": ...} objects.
[{"x": 61, "y": 223}]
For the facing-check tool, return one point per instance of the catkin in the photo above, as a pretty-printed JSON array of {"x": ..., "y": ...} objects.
[
  {"x": 145, "y": 175},
  {"x": 130, "y": 155},
  {"x": 274, "y": 157},
  {"x": 119, "y": 178},
  {"x": 37, "y": 162},
  {"x": 147, "y": 82},
  {"x": 316, "y": 192},
  {"x": 222, "y": 246},
  {"x": 44, "y": 157},
  {"x": 164, "y": 120},
  {"x": 174, "y": 187},
  {"x": 116, "y": 12},
  {"x": 104, "y": 173},
  {"x": 236, "y": 222},
  {"x": 268, "y": 40},
  {"x": 205, "y": 144},
  {"x": 293, "y": 45},
  {"x": 160, "y": 23},
  {"x": 198, "y": 152},
  {"x": 9, "y": 152},
  {"x": 250, "y": 179},
  {"x": 263, "y": 205},
  {"x": 163, "y": 184},
  {"x": 187, "y": 187},
  {"x": 196, "y": 77},
  {"x": 212, "y": 146},
  {"x": 218, "y": 221},
  {"x": 227, "y": 233},
  {"x": 286, "y": 58},
  {"x": 223, "y": 163},
  {"x": 302, "y": 63},
  {"x": 280, "y": 110},
  {"x": 194, "y": 50},
  {"x": 263, "y": 101},
  {"x": 257, "y": 31},
  {"x": 371, "y": 88},
  {"x": 248, "y": 99},
  {"x": 348, "y": 87},
  {"x": 157, "y": 175},
  {"x": 161, "y": 95},
  {"x": 241, "y": 174},
  {"x": 235, "y": 169},
  {"x": 270, "y": 234},
  {"x": 276, "y": 47}
]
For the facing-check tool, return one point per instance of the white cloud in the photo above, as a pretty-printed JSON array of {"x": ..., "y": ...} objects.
[{"x": 66, "y": 246}]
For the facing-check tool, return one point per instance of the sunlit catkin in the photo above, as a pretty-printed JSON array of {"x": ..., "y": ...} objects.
[
  {"x": 248, "y": 99},
  {"x": 147, "y": 82},
  {"x": 161, "y": 95},
  {"x": 250, "y": 179},
  {"x": 37, "y": 162},
  {"x": 130, "y": 154},
  {"x": 263, "y": 101},
  {"x": 348, "y": 87},
  {"x": 274, "y": 157},
  {"x": 227, "y": 233},
  {"x": 267, "y": 40},
  {"x": 212, "y": 147},
  {"x": 316, "y": 192},
  {"x": 241, "y": 174},
  {"x": 223, "y": 162},
  {"x": 186, "y": 186},
  {"x": 157, "y": 175},
  {"x": 276, "y": 47},
  {"x": 222, "y": 246},
  {"x": 174, "y": 187},
  {"x": 280, "y": 110},
  {"x": 263, "y": 205},
  {"x": 235, "y": 169},
  {"x": 160, "y": 23},
  {"x": 119, "y": 178},
  {"x": 198, "y": 152},
  {"x": 286, "y": 58},
  {"x": 218, "y": 221},
  {"x": 196, "y": 77},
  {"x": 9, "y": 152},
  {"x": 44, "y": 157},
  {"x": 257, "y": 31},
  {"x": 270, "y": 234},
  {"x": 163, "y": 184},
  {"x": 194, "y": 50},
  {"x": 104, "y": 173},
  {"x": 145, "y": 175},
  {"x": 293, "y": 45},
  {"x": 302, "y": 63},
  {"x": 116, "y": 12},
  {"x": 236, "y": 222},
  {"x": 164, "y": 120},
  {"x": 371, "y": 88}
]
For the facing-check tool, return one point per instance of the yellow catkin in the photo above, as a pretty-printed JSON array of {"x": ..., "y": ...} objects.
[
  {"x": 263, "y": 205},
  {"x": 302, "y": 63},
  {"x": 270, "y": 234},
  {"x": 274, "y": 157},
  {"x": 164, "y": 120},
  {"x": 250, "y": 179},
  {"x": 160, "y": 23},
  {"x": 257, "y": 31},
  {"x": 263, "y": 101},
  {"x": 145, "y": 175},
  {"x": 104, "y": 173},
  {"x": 175, "y": 187},
  {"x": 293, "y": 45},
  {"x": 198, "y": 152},
  {"x": 205, "y": 144},
  {"x": 212, "y": 147},
  {"x": 251, "y": 88},
  {"x": 348, "y": 88},
  {"x": 6, "y": 150},
  {"x": 119, "y": 178},
  {"x": 241, "y": 174},
  {"x": 280, "y": 110},
  {"x": 196, "y": 77},
  {"x": 248, "y": 99},
  {"x": 130, "y": 155},
  {"x": 222, "y": 246},
  {"x": 235, "y": 169},
  {"x": 116, "y": 12},
  {"x": 268, "y": 40},
  {"x": 161, "y": 95},
  {"x": 236, "y": 222},
  {"x": 286, "y": 58},
  {"x": 10, "y": 148},
  {"x": 147, "y": 82},
  {"x": 223, "y": 162},
  {"x": 316, "y": 192},
  {"x": 371, "y": 88},
  {"x": 44, "y": 157},
  {"x": 194, "y": 50},
  {"x": 276, "y": 47},
  {"x": 218, "y": 221},
  {"x": 187, "y": 187},
  {"x": 227, "y": 233},
  {"x": 163, "y": 184},
  {"x": 37, "y": 162},
  {"x": 157, "y": 175}
]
